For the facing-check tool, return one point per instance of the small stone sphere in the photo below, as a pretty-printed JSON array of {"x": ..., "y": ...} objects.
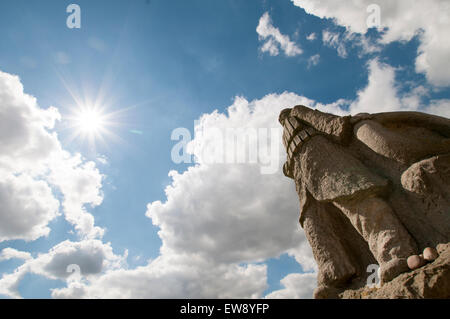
[
  {"x": 415, "y": 261},
  {"x": 430, "y": 254}
]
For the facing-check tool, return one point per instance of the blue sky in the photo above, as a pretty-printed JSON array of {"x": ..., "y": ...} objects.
[{"x": 160, "y": 65}]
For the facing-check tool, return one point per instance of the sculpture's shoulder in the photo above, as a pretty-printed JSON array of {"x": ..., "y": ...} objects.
[
  {"x": 339, "y": 127},
  {"x": 406, "y": 137},
  {"x": 434, "y": 123}
]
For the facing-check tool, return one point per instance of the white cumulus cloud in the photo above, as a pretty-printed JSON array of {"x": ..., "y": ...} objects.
[
  {"x": 296, "y": 286},
  {"x": 401, "y": 20},
  {"x": 91, "y": 257},
  {"x": 174, "y": 276},
  {"x": 11, "y": 253},
  {"x": 32, "y": 162},
  {"x": 382, "y": 93},
  {"x": 27, "y": 206},
  {"x": 440, "y": 107},
  {"x": 274, "y": 40}
]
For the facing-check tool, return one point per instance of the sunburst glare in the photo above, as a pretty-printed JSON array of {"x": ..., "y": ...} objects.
[{"x": 91, "y": 123}]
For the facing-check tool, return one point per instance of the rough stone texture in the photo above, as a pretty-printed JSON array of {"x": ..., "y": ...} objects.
[
  {"x": 373, "y": 189},
  {"x": 431, "y": 281}
]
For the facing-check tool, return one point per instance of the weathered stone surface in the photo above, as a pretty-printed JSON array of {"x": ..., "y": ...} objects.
[
  {"x": 431, "y": 281},
  {"x": 442, "y": 247},
  {"x": 338, "y": 128},
  {"x": 332, "y": 173},
  {"x": 373, "y": 189},
  {"x": 396, "y": 143}
]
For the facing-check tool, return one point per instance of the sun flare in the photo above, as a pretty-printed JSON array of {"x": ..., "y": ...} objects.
[
  {"x": 90, "y": 121},
  {"x": 94, "y": 124}
]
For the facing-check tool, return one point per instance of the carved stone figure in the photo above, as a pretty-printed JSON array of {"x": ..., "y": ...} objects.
[{"x": 373, "y": 189}]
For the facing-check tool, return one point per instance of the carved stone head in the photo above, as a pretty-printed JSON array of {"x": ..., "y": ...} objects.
[{"x": 283, "y": 115}]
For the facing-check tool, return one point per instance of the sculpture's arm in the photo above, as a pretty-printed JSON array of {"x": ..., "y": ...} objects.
[{"x": 336, "y": 127}]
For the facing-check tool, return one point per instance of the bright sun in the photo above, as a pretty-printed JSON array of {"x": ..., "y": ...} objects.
[
  {"x": 94, "y": 123},
  {"x": 90, "y": 121},
  {"x": 91, "y": 124}
]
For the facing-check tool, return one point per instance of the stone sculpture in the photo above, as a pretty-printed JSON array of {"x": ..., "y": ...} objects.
[{"x": 373, "y": 189}]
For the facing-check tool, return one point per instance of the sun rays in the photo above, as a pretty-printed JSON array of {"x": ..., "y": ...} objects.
[{"x": 92, "y": 124}]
